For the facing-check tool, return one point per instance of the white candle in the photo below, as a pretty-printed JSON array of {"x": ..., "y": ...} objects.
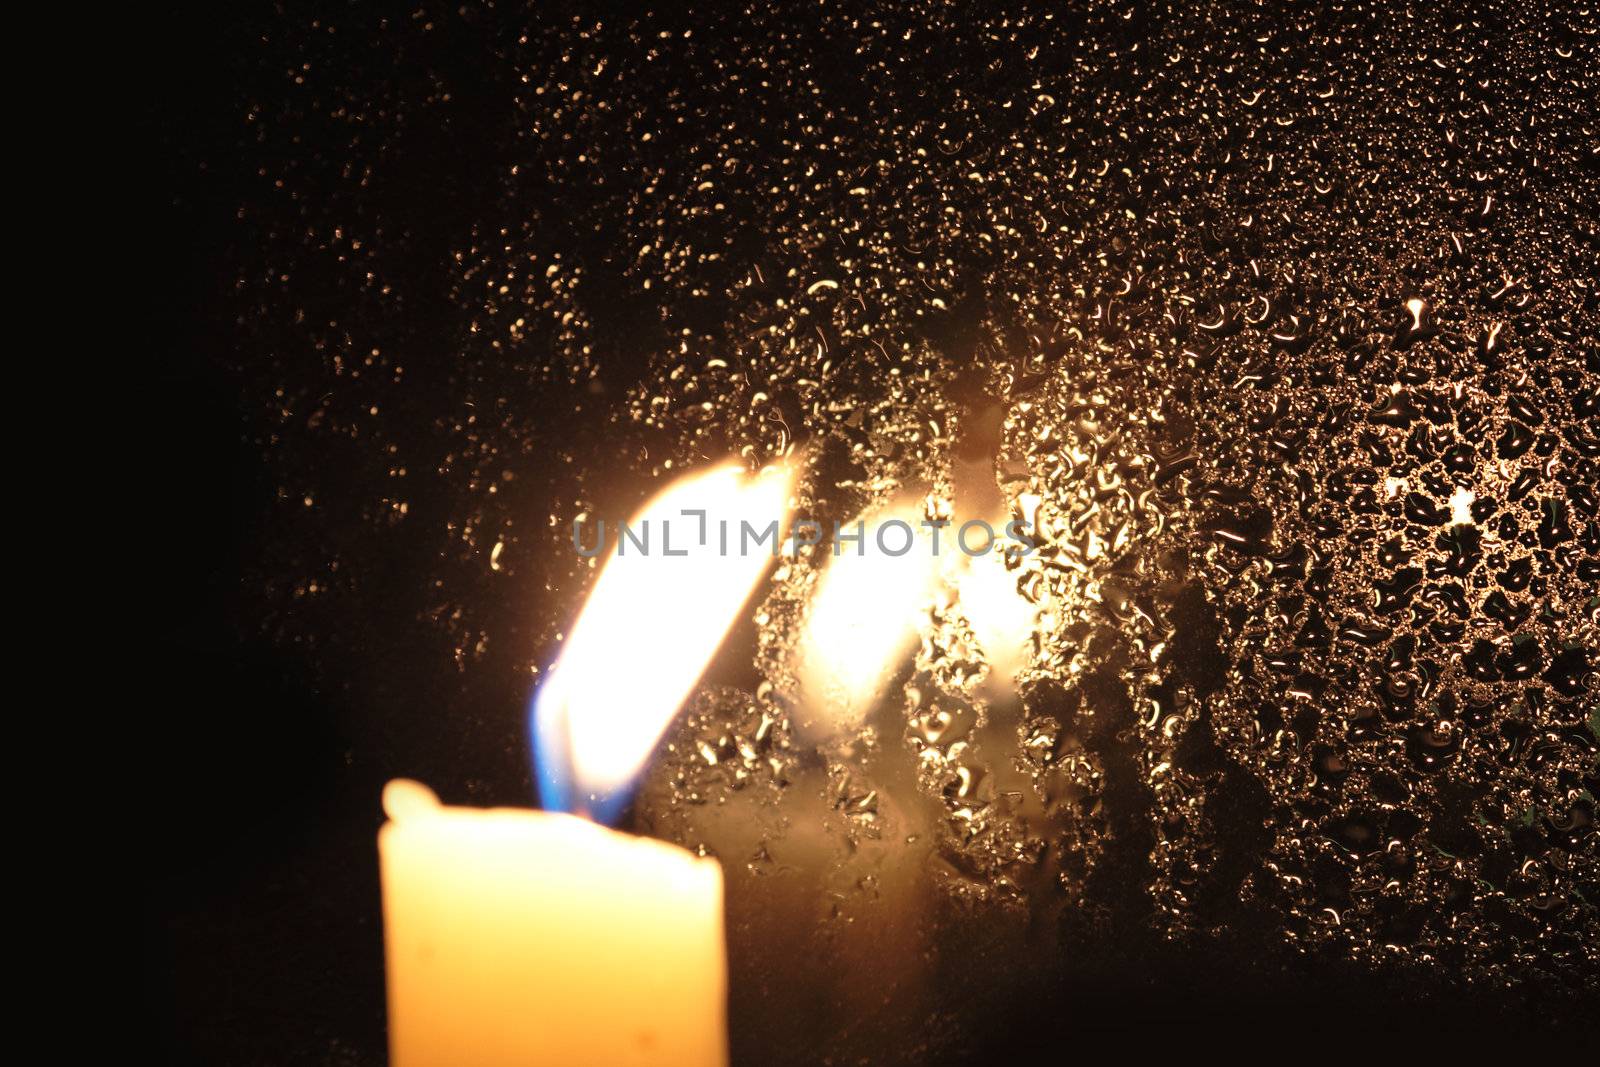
[
  {"x": 530, "y": 938},
  {"x": 526, "y": 938}
]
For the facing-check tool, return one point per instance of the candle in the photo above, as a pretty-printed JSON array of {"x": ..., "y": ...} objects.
[{"x": 530, "y": 938}]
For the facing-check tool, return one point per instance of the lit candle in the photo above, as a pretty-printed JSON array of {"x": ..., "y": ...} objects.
[
  {"x": 531, "y": 937},
  {"x": 527, "y": 938}
]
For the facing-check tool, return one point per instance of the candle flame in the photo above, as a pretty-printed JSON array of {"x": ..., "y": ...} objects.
[{"x": 647, "y": 632}]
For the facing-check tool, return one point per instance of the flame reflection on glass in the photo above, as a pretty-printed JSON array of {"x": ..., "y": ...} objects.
[
  {"x": 647, "y": 632},
  {"x": 1002, "y": 619},
  {"x": 864, "y": 616},
  {"x": 869, "y": 607}
]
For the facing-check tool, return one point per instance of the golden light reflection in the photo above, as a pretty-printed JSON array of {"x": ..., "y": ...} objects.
[
  {"x": 1001, "y": 618},
  {"x": 870, "y": 606},
  {"x": 865, "y": 615}
]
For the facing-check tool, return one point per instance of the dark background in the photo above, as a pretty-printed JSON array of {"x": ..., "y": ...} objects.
[{"x": 280, "y": 715}]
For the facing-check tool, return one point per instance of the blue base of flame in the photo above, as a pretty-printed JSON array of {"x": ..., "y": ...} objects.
[{"x": 552, "y": 765}]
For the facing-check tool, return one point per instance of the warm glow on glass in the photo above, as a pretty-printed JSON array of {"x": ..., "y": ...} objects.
[
  {"x": 1001, "y": 618},
  {"x": 649, "y": 629},
  {"x": 865, "y": 615}
]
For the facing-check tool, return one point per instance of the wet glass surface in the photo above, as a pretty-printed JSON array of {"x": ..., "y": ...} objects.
[{"x": 1282, "y": 328}]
